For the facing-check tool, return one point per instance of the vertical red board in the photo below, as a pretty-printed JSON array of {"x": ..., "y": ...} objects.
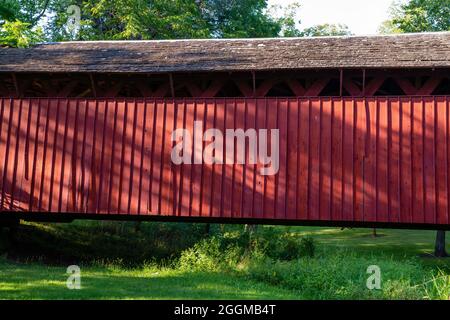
[
  {"x": 66, "y": 162},
  {"x": 166, "y": 189},
  {"x": 417, "y": 160},
  {"x": 337, "y": 156},
  {"x": 259, "y": 178},
  {"x": 429, "y": 160},
  {"x": 314, "y": 174},
  {"x": 370, "y": 162},
  {"x": 348, "y": 141},
  {"x": 22, "y": 187},
  {"x": 359, "y": 154},
  {"x": 107, "y": 156},
  {"x": 441, "y": 136},
  {"x": 197, "y": 155},
  {"x": 270, "y": 186},
  {"x": 281, "y": 189},
  {"x": 394, "y": 160},
  {"x": 292, "y": 161},
  {"x": 382, "y": 161},
  {"x": 218, "y": 167},
  {"x": 303, "y": 159},
  {"x": 325, "y": 160},
  {"x": 137, "y": 160},
  {"x": 405, "y": 160},
  {"x": 8, "y": 114},
  {"x": 238, "y": 169},
  {"x": 250, "y": 106},
  {"x": 207, "y": 168},
  {"x": 38, "y": 129}
]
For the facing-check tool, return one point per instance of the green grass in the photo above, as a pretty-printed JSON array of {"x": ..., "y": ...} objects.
[
  {"x": 179, "y": 261},
  {"x": 35, "y": 281}
]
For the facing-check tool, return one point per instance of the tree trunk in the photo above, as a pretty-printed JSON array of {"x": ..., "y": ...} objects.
[
  {"x": 137, "y": 226},
  {"x": 250, "y": 228},
  {"x": 439, "y": 248},
  {"x": 374, "y": 232}
]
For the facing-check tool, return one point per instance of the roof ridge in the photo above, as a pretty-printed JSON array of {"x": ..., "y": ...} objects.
[{"x": 258, "y": 39}]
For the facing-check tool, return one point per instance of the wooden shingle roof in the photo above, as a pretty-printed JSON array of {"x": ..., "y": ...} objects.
[{"x": 426, "y": 50}]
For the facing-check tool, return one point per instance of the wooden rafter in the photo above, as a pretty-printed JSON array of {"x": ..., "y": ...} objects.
[
  {"x": 316, "y": 87},
  {"x": 368, "y": 90},
  {"x": 429, "y": 86},
  {"x": 161, "y": 91},
  {"x": 114, "y": 90},
  {"x": 426, "y": 89},
  {"x": 68, "y": 88},
  {"x": 351, "y": 87},
  {"x": 214, "y": 88},
  {"x": 296, "y": 87},
  {"x": 245, "y": 89},
  {"x": 373, "y": 86}
]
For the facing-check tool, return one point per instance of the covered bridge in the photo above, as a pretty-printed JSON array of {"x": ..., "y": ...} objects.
[{"x": 363, "y": 130}]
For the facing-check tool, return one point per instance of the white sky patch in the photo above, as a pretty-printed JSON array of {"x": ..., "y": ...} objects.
[{"x": 363, "y": 17}]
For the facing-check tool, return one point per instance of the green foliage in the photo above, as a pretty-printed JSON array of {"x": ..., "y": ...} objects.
[
  {"x": 9, "y": 9},
  {"x": 438, "y": 287},
  {"x": 95, "y": 242},
  {"x": 308, "y": 246},
  {"x": 157, "y": 19},
  {"x": 339, "y": 275},
  {"x": 18, "y": 34},
  {"x": 282, "y": 246},
  {"x": 418, "y": 16},
  {"x": 326, "y": 30},
  {"x": 129, "y": 20},
  {"x": 210, "y": 255},
  {"x": 162, "y": 19},
  {"x": 239, "y": 19}
]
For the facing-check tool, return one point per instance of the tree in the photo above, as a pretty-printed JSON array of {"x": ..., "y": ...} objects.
[
  {"x": 418, "y": 16},
  {"x": 439, "y": 247},
  {"x": 161, "y": 19},
  {"x": 239, "y": 19},
  {"x": 158, "y": 19},
  {"x": 326, "y": 29},
  {"x": 18, "y": 34},
  {"x": 17, "y": 27}
]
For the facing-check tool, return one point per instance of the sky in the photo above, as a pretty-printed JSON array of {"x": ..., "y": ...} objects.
[{"x": 361, "y": 16}]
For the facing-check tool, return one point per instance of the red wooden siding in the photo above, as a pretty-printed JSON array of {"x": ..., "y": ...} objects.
[{"x": 341, "y": 159}]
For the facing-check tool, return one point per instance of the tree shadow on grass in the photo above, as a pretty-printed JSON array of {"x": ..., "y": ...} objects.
[{"x": 45, "y": 283}]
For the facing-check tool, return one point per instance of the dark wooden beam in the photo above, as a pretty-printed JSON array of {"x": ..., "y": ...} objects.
[
  {"x": 16, "y": 85},
  {"x": 264, "y": 88},
  {"x": 213, "y": 88},
  {"x": 316, "y": 88},
  {"x": 374, "y": 85},
  {"x": 296, "y": 87},
  {"x": 144, "y": 88},
  {"x": 114, "y": 90},
  {"x": 406, "y": 85},
  {"x": 93, "y": 87},
  {"x": 161, "y": 91},
  {"x": 243, "y": 86},
  {"x": 172, "y": 86},
  {"x": 429, "y": 86},
  {"x": 351, "y": 87},
  {"x": 68, "y": 88},
  {"x": 193, "y": 89}
]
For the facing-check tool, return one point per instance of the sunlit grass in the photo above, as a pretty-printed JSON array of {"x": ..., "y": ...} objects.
[{"x": 119, "y": 263}]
